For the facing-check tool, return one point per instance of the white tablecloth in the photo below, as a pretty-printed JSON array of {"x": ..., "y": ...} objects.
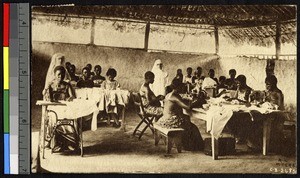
[
  {"x": 91, "y": 101},
  {"x": 219, "y": 114},
  {"x": 106, "y": 99}
]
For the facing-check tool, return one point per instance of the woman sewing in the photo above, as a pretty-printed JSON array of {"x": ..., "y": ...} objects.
[{"x": 173, "y": 117}]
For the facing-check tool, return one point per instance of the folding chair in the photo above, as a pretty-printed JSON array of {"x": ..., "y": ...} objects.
[{"x": 145, "y": 118}]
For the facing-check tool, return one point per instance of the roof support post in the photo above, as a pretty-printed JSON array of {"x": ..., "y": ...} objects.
[
  {"x": 277, "y": 40},
  {"x": 216, "y": 39},
  {"x": 271, "y": 62},
  {"x": 147, "y": 32},
  {"x": 92, "y": 39}
]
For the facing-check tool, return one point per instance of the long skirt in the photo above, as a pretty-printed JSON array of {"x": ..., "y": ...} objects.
[{"x": 192, "y": 139}]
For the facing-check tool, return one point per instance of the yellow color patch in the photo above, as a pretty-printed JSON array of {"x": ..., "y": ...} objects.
[{"x": 6, "y": 67}]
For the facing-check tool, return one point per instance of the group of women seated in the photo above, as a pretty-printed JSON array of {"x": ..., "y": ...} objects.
[
  {"x": 167, "y": 106},
  {"x": 197, "y": 83},
  {"x": 90, "y": 79},
  {"x": 170, "y": 113},
  {"x": 87, "y": 78},
  {"x": 59, "y": 85}
]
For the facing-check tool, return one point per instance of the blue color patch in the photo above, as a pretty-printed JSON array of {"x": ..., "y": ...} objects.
[{"x": 6, "y": 154}]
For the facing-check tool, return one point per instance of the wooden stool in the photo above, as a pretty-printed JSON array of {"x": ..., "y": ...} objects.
[{"x": 172, "y": 136}]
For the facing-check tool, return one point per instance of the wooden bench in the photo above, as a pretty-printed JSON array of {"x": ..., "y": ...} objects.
[{"x": 172, "y": 136}]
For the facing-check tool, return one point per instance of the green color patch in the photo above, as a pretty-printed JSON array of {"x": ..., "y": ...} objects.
[{"x": 6, "y": 111}]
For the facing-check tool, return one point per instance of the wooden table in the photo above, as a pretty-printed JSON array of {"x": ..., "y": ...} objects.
[{"x": 267, "y": 121}]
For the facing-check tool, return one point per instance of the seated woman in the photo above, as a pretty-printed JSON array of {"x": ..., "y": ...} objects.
[
  {"x": 60, "y": 90},
  {"x": 197, "y": 75},
  {"x": 243, "y": 90},
  {"x": 57, "y": 59},
  {"x": 98, "y": 78},
  {"x": 231, "y": 82},
  {"x": 90, "y": 67},
  {"x": 85, "y": 81},
  {"x": 179, "y": 75},
  {"x": 73, "y": 76},
  {"x": 110, "y": 83},
  {"x": 222, "y": 80},
  {"x": 273, "y": 96},
  {"x": 173, "y": 117},
  {"x": 150, "y": 101},
  {"x": 187, "y": 80},
  {"x": 210, "y": 83},
  {"x": 239, "y": 127}
]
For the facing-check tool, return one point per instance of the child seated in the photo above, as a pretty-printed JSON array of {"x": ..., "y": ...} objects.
[
  {"x": 222, "y": 80},
  {"x": 58, "y": 89},
  {"x": 89, "y": 67},
  {"x": 187, "y": 80},
  {"x": 73, "y": 76},
  {"x": 179, "y": 75},
  {"x": 98, "y": 78},
  {"x": 110, "y": 83},
  {"x": 85, "y": 81}
]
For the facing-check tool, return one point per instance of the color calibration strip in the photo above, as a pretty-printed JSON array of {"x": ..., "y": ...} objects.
[
  {"x": 16, "y": 95},
  {"x": 13, "y": 89},
  {"x": 6, "y": 14}
]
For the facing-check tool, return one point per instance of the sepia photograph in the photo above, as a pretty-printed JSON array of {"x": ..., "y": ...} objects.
[{"x": 164, "y": 89}]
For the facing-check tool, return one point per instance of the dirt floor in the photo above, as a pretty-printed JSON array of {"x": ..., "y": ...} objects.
[{"x": 110, "y": 150}]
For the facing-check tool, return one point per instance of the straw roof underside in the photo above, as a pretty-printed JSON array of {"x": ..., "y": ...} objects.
[{"x": 254, "y": 24}]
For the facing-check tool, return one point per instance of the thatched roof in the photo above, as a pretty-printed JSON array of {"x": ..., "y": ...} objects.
[{"x": 251, "y": 23}]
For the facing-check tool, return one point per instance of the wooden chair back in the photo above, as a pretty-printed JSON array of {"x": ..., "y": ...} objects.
[{"x": 138, "y": 104}]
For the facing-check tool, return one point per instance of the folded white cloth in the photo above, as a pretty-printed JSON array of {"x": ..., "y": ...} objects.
[
  {"x": 209, "y": 83},
  {"x": 216, "y": 119}
]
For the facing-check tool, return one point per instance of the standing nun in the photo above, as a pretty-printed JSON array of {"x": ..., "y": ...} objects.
[{"x": 161, "y": 79}]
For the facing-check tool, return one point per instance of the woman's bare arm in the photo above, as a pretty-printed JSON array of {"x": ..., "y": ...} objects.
[
  {"x": 71, "y": 93},
  {"x": 180, "y": 102}
]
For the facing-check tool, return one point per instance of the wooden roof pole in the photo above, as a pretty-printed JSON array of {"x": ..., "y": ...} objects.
[
  {"x": 271, "y": 62},
  {"x": 92, "y": 37},
  {"x": 277, "y": 40},
  {"x": 147, "y": 32},
  {"x": 216, "y": 39}
]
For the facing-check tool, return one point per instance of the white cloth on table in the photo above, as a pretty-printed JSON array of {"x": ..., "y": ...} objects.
[
  {"x": 216, "y": 119},
  {"x": 107, "y": 100},
  {"x": 209, "y": 83},
  {"x": 76, "y": 109}
]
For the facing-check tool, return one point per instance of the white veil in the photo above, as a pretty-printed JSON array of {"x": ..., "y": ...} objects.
[
  {"x": 160, "y": 80},
  {"x": 54, "y": 63}
]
